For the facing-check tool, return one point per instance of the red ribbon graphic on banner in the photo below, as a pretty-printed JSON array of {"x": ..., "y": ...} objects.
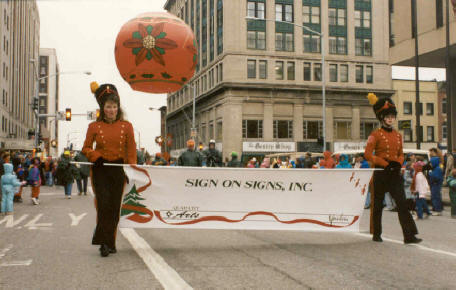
[{"x": 225, "y": 219}]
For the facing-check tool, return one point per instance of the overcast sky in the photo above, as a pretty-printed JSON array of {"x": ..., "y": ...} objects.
[{"x": 83, "y": 33}]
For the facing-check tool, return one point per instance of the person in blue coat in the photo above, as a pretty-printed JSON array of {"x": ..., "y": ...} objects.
[
  {"x": 435, "y": 182},
  {"x": 343, "y": 162},
  {"x": 10, "y": 185}
]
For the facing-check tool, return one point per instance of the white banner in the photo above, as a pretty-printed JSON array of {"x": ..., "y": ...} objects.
[{"x": 255, "y": 199}]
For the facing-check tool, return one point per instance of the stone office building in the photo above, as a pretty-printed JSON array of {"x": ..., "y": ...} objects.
[
  {"x": 259, "y": 82},
  {"x": 19, "y": 38}
]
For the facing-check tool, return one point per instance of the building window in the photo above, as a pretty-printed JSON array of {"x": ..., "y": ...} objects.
[
  {"x": 283, "y": 129},
  {"x": 430, "y": 133},
  {"x": 363, "y": 46},
  {"x": 252, "y": 128},
  {"x": 337, "y": 16},
  {"x": 284, "y": 12},
  {"x": 333, "y": 72},
  {"x": 256, "y": 40},
  {"x": 430, "y": 109},
  {"x": 439, "y": 13},
  {"x": 219, "y": 131},
  {"x": 290, "y": 71},
  {"x": 359, "y": 74},
  {"x": 444, "y": 105},
  {"x": 408, "y": 108},
  {"x": 255, "y": 9},
  {"x": 366, "y": 129},
  {"x": 311, "y": 14},
  {"x": 369, "y": 74},
  {"x": 311, "y": 42},
  {"x": 307, "y": 71},
  {"x": 279, "y": 70},
  {"x": 263, "y": 69},
  {"x": 408, "y": 135},
  {"x": 284, "y": 41},
  {"x": 337, "y": 45},
  {"x": 343, "y": 73},
  {"x": 444, "y": 130},
  {"x": 251, "y": 69},
  {"x": 342, "y": 129},
  {"x": 317, "y": 71},
  {"x": 219, "y": 26},
  {"x": 362, "y": 19},
  {"x": 312, "y": 129},
  {"x": 211, "y": 130}
]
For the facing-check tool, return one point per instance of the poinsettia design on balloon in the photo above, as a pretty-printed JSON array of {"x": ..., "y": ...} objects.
[{"x": 150, "y": 42}]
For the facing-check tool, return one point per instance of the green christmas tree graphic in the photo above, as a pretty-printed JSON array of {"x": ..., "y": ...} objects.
[{"x": 132, "y": 198}]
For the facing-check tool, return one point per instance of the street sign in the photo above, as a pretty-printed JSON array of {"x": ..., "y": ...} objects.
[{"x": 405, "y": 124}]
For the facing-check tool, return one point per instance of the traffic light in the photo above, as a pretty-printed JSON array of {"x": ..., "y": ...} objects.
[
  {"x": 35, "y": 104},
  {"x": 98, "y": 113},
  {"x": 31, "y": 133},
  {"x": 40, "y": 138},
  {"x": 68, "y": 114}
]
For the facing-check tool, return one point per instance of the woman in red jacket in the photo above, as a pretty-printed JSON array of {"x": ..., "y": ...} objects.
[
  {"x": 115, "y": 143},
  {"x": 384, "y": 150}
]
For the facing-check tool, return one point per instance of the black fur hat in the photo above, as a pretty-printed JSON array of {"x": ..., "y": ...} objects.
[
  {"x": 101, "y": 92},
  {"x": 382, "y": 107}
]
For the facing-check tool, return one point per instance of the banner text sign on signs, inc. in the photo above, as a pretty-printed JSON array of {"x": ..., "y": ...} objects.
[{"x": 257, "y": 199}]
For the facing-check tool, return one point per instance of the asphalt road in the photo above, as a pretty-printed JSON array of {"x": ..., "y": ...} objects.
[{"x": 48, "y": 247}]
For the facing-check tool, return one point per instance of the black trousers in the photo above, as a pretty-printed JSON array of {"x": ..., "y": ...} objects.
[
  {"x": 108, "y": 183},
  {"x": 394, "y": 184}
]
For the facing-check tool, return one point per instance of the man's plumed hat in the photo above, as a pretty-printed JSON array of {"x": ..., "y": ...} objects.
[
  {"x": 101, "y": 92},
  {"x": 382, "y": 107}
]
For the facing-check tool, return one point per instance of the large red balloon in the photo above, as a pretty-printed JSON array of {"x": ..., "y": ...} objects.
[{"x": 156, "y": 52}]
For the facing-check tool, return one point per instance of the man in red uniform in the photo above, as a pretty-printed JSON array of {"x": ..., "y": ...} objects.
[{"x": 387, "y": 145}]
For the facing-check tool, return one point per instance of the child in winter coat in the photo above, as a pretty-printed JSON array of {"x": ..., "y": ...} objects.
[
  {"x": 10, "y": 185},
  {"x": 421, "y": 187},
  {"x": 35, "y": 180}
]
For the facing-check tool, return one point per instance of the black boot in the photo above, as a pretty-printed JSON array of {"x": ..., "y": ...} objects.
[
  {"x": 412, "y": 240},
  {"x": 104, "y": 250},
  {"x": 113, "y": 250},
  {"x": 377, "y": 239}
]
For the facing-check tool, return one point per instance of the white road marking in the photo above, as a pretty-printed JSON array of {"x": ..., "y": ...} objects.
[
  {"x": 9, "y": 220},
  {"x": 17, "y": 263},
  {"x": 421, "y": 247},
  {"x": 166, "y": 275},
  {"x": 13, "y": 263},
  {"x": 76, "y": 219},
  {"x": 32, "y": 225},
  {"x": 5, "y": 250}
]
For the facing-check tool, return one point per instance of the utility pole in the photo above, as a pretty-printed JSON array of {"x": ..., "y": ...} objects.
[
  {"x": 417, "y": 77},
  {"x": 449, "y": 107}
]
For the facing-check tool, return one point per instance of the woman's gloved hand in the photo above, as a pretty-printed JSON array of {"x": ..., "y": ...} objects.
[
  {"x": 99, "y": 162},
  {"x": 393, "y": 167}
]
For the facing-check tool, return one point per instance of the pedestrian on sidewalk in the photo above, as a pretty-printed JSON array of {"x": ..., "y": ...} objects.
[
  {"x": 451, "y": 180},
  {"x": 115, "y": 143},
  {"x": 67, "y": 173},
  {"x": 420, "y": 188},
  {"x": 34, "y": 179},
  {"x": 386, "y": 142},
  {"x": 10, "y": 185},
  {"x": 84, "y": 172},
  {"x": 435, "y": 181}
]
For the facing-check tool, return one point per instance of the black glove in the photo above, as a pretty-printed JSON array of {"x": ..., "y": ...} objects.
[
  {"x": 99, "y": 162},
  {"x": 393, "y": 167}
]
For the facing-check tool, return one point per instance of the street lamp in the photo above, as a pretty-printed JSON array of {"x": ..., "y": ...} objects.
[
  {"x": 38, "y": 79},
  {"x": 323, "y": 79}
]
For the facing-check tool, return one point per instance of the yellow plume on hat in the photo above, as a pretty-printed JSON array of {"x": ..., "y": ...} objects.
[
  {"x": 372, "y": 98},
  {"x": 94, "y": 86}
]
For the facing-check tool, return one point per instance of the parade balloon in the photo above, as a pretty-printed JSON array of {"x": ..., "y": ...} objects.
[{"x": 156, "y": 52}]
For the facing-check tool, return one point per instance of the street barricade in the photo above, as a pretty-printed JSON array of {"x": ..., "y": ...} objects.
[{"x": 246, "y": 199}]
